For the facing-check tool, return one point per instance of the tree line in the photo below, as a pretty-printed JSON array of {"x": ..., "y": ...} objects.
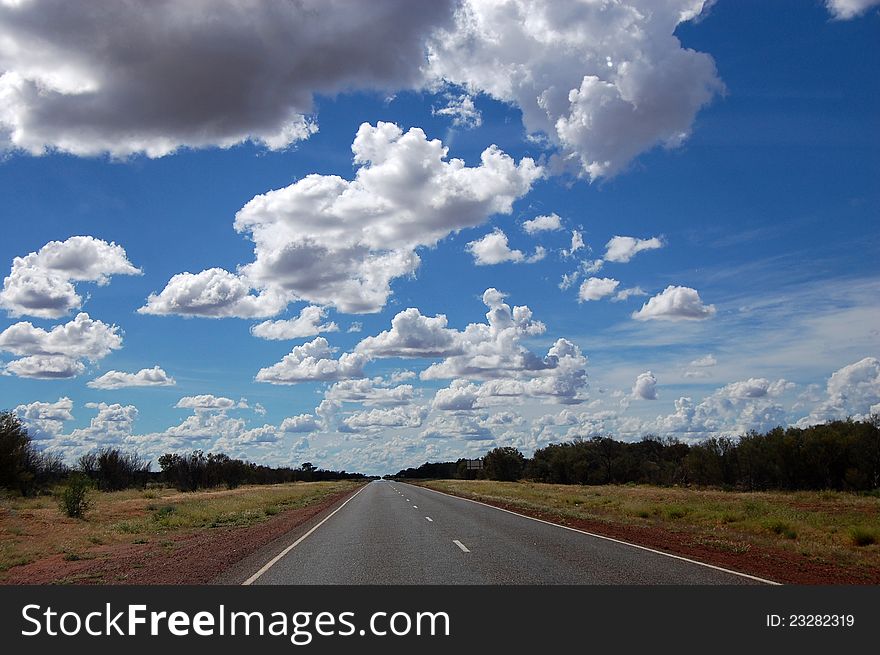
[
  {"x": 841, "y": 455},
  {"x": 27, "y": 470}
]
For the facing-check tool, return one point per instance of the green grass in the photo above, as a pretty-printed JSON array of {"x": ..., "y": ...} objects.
[{"x": 826, "y": 526}]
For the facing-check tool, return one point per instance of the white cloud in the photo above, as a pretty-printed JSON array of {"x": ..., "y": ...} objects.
[
  {"x": 215, "y": 293},
  {"x": 494, "y": 249},
  {"x": 577, "y": 243},
  {"x": 368, "y": 392},
  {"x": 675, "y": 304},
  {"x": 313, "y": 361},
  {"x": 206, "y": 402},
  {"x": 223, "y": 72},
  {"x": 462, "y": 110},
  {"x": 340, "y": 243},
  {"x": 626, "y": 294},
  {"x": 146, "y": 377},
  {"x": 544, "y": 223},
  {"x": 603, "y": 81},
  {"x": 41, "y": 283},
  {"x": 56, "y": 353},
  {"x": 704, "y": 361},
  {"x": 645, "y": 386},
  {"x": 413, "y": 335},
  {"x": 112, "y": 424},
  {"x": 622, "y": 249},
  {"x": 307, "y": 324},
  {"x": 45, "y": 420},
  {"x": 355, "y": 327},
  {"x": 299, "y": 424},
  {"x": 394, "y": 417},
  {"x": 596, "y": 288},
  {"x": 457, "y": 426},
  {"x": 847, "y": 9},
  {"x": 461, "y": 395},
  {"x": 853, "y": 390}
]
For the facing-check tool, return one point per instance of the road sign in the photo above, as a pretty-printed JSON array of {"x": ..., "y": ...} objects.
[{"x": 474, "y": 464}]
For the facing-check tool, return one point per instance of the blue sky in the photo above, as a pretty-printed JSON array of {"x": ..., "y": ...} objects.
[{"x": 724, "y": 187}]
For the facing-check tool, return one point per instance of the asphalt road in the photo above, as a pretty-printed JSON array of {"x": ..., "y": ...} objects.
[{"x": 394, "y": 533}]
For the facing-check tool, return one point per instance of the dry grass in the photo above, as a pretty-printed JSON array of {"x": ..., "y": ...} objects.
[
  {"x": 825, "y": 526},
  {"x": 34, "y": 528}
]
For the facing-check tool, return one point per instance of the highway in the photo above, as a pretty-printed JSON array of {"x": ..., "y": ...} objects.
[{"x": 395, "y": 533}]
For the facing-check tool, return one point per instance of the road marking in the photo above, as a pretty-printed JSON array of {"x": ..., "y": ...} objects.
[
  {"x": 272, "y": 562},
  {"x": 617, "y": 541},
  {"x": 429, "y": 519},
  {"x": 415, "y": 506},
  {"x": 464, "y": 548}
]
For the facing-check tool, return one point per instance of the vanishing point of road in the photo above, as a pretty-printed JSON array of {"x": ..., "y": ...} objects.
[{"x": 395, "y": 533}]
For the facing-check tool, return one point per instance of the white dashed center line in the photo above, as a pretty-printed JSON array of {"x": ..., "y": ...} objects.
[
  {"x": 464, "y": 548},
  {"x": 415, "y": 506},
  {"x": 429, "y": 519}
]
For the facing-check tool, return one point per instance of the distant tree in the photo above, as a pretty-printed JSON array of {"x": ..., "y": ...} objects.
[
  {"x": 23, "y": 467},
  {"x": 506, "y": 464}
]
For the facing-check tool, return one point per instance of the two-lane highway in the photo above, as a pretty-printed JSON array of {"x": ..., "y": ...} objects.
[{"x": 394, "y": 533}]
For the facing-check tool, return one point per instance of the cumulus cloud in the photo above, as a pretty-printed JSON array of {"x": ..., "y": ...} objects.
[
  {"x": 45, "y": 420},
  {"x": 604, "y": 82},
  {"x": 307, "y": 324},
  {"x": 41, "y": 283},
  {"x": 313, "y": 361},
  {"x": 379, "y": 418},
  {"x": 56, "y": 353},
  {"x": 151, "y": 78},
  {"x": 626, "y": 294},
  {"x": 215, "y": 293},
  {"x": 299, "y": 424},
  {"x": 337, "y": 242},
  {"x": 645, "y": 386},
  {"x": 457, "y": 426},
  {"x": 369, "y": 391},
  {"x": 848, "y": 9},
  {"x": 207, "y": 402},
  {"x": 413, "y": 335},
  {"x": 853, "y": 390},
  {"x": 146, "y": 377},
  {"x": 675, "y": 304},
  {"x": 462, "y": 110},
  {"x": 596, "y": 288},
  {"x": 622, "y": 249},
  {"x": 577, "y": 243},
  {"x": 704, "y": 361},
  {"x": 494, "y": 249},
  {"x": 461, "y": 395},
  {"x": 544, "y": 223}
]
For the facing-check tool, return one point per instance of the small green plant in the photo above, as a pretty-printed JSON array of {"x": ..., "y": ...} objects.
[
  {"x": 272, "y": 510},
  {"x": 783, "y": 529},
  {"x": 75, "y": 496},
  {"x": 863, "y": 536}
]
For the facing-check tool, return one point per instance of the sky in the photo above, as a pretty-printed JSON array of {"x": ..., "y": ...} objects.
[{"x": 370, "y": 235}]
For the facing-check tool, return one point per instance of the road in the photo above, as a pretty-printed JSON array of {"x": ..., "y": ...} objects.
[{"x": 395, "y": 533}]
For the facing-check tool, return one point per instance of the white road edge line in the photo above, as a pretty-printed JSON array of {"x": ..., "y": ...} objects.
[
  {"x": 617, "y": 541},
  {"x": 464, "y": 548},
  {"x": 430, "y": 519},
  {"x": 272, "y": 562}
]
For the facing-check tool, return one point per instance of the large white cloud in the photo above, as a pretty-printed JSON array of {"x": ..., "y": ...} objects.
[
  {"x": 146, "y": 377},
  {"x": 207, "y": 402},
  {"x": 370, "y": 391},
  {"x": 56, "y": 353},
  {"x": 307, "y": 324},
  {"x": 853, "y": 390},
  {"x": 382, "y": 418},
  {"x": 604, "y": 81},
  {"x": 543, "y": 223},
  {"x": 847, "y": 9},
  {"x": 675, "y": 303},
  {"x": 214, "y": 293},
  {"x": 45, "y": 420},
  {"x": 150, "y": 77},
  {"x": 337, "y": 242},
  {"x": 313, "y": 361},
  {"x": 413, "y": 335},
  {"x": 41, "y": 283}
]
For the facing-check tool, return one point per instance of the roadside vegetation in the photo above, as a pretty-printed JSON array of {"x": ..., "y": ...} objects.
[{"x": 34, "y": 528}]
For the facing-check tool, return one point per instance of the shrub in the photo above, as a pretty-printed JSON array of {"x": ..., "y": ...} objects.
[
  {"x": 74, "y": 498},
  {"x": 862, "y": 536}
]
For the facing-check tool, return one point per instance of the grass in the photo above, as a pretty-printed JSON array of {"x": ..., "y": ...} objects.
[
  {"x": 824, "y": 526},
  {"x": 35, "y": 528}
]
